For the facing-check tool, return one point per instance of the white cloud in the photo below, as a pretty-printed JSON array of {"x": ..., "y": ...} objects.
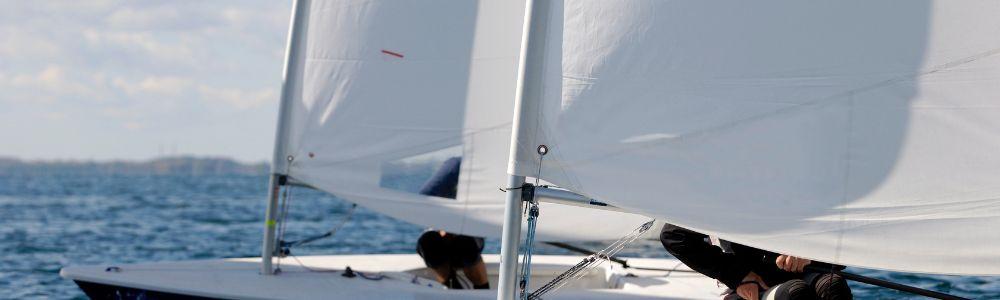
[
  {"x": 238, "y": 98},
  {"x": 133, "y": 125},
  {"x": 123, "y": 75},
  {"x": 154, "y": 85},
  {"x": 143, "y": 46},
  {"x": 191, "y": 16},
  {"x": 47, "y": 85},
  {"x": 19, "y": 44},
  {"x": 164, "y": 85},
  {"x": 55, "y": 116},
  {"x": 128, "y": 17},
  {"x": 119, "y": 113}
]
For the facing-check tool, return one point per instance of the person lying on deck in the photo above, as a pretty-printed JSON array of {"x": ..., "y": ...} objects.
[
  {"x": 752, "y": 273},
  {"x": 444, "y": 252}
]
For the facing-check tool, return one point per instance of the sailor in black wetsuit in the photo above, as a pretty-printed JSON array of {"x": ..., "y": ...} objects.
[
  {"x": 752, "y": 273},
  {"x": 444, "y": 252}
]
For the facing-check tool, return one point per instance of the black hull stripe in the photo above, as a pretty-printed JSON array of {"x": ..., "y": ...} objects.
[{"x": 98, "y": 291}]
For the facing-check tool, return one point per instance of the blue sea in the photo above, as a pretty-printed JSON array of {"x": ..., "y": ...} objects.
[{"x": 52, "y": 221}]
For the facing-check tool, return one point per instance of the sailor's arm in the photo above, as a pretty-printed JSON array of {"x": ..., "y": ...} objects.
[{"x": 693, "y": 250}]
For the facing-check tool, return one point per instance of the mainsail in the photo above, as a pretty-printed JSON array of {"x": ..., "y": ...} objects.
[
  {"x": 392, "y": 84},
  {"x": 864, "y": 133}
]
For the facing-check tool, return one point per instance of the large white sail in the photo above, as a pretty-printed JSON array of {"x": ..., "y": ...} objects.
[
  {"x": 388, "y": 85},
  {"x": 864, "y": 133}
]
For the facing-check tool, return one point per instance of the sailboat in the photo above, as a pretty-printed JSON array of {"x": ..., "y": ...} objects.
[
  {"x": 372, "y": 86},
  {"x": 857, "y": 133}
]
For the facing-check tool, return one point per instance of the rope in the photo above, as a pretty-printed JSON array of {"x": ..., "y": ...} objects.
[
  {"x": 376, "y": 277},
  {"x": 529, "y": 240},
  {"x": 528, "y": 249},
  {"x": 296, "y": 258},
  {"x": 589, "y": 262},
  {"x": 286, "y": 197},
  {"x": 331, "y": 232},
  {"x": 620, "y": 261},
  {"x": 282, "y": 220}
]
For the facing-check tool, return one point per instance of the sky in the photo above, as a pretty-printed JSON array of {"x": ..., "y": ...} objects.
[{"x": 132, "y": 80}]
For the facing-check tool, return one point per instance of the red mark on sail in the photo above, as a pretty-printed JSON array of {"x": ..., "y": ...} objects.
[{"x": 392, "y": 53}]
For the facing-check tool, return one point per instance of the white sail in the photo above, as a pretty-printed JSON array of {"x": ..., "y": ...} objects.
[
  {"x": 393, "y": 84},
  {"x": 864, "y": 133}
]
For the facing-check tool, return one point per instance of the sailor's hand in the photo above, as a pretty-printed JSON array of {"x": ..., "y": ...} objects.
[
  {"x": 791, "y": 263},
  {"x": 751, "y": 286}
]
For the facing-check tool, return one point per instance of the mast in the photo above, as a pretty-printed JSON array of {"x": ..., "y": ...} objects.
[
  {"x": 526, "y": 99},
  {"x": 281, "y": 159}
]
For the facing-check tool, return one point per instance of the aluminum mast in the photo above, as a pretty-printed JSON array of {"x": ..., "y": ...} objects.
[
  {"x": 527, "y": 94},
  {"x": 281, "y": 159}
]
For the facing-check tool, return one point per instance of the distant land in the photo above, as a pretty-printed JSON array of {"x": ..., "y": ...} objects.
[{"x": 178, "y": 165}]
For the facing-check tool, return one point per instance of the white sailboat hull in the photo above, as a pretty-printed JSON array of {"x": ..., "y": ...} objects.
[{"x": 390, "y": 276}]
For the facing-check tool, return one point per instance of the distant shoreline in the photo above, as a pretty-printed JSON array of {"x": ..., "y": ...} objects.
[{"x": 173, "y": 165}]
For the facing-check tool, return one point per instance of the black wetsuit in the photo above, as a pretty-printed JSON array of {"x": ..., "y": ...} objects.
[
  {"x": 451, "y": 251},
  {"x": 730, "y": 267}
]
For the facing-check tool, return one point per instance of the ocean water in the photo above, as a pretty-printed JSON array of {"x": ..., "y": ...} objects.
[{"x": 52, "y": 221}]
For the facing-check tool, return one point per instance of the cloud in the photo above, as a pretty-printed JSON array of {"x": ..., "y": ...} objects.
[
  {"x": 55, "y": 116},
  {"x": 20, "y": 44},
  {"x": 238, "y": 98},
  {"x": 164, "y": 85},
  {"x": 134, "y": 126},
  {"x": 119, "y": 113},
  {"x": 126, "y": 74},
  {"x": 154, "y": 85},
  {"x": 163, "y": 17},
  {"x": 47, "y": 85},
  {"x": 142, "y": 48}
]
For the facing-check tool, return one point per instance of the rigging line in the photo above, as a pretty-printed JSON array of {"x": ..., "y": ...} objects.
[
  {"x": 541, "y": 150},
  {"x": 598, "y": 259},
  {"x": 330, "y": 233},
  {"x": 583, "y": 267},
  {"x": 282, "y": 220},
  {"x": 286, "y": 195},
  {"x": 532, "y": 223},
  {"x": 846, "y": 275},
  {"x": 378, "y": 276},
  {"x": 675, "y": 269},
  {"x": 618, "y": 260},
  {"x": 528, "y": 249},
  {"x": 296, "y": 258},
  {"x": 573, "y": 274}
]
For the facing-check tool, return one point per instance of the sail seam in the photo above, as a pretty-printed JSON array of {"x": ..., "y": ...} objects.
[
  {"x": 792, "y": 109},
  {"x": 410, "y": 147},
  {"x": 842, "y": 224},
  {"x": 467, "y": 164}
]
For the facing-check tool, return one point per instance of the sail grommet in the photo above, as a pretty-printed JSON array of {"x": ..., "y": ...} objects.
[{"x": 542, "y": 149}]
